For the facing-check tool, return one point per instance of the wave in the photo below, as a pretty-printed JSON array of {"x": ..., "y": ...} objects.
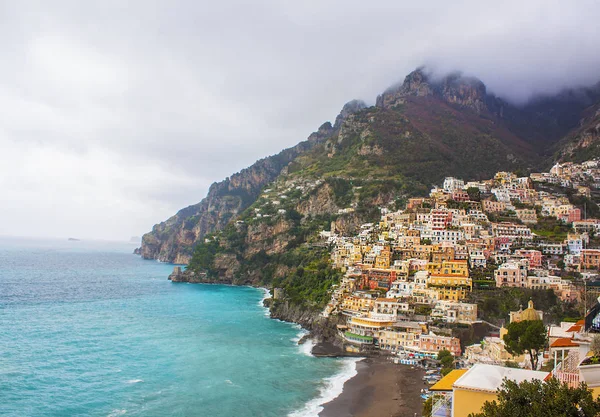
[
  {"x": 267, "y": 294},
  {"x": 307, "y": 346},
  {"x": 331, "y": 389},
  {"x": 134, "y": 381},
  {"x": 117, "y": 412}
]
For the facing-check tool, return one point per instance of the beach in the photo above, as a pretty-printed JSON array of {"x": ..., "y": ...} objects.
[{"x": 380, "y": 388}]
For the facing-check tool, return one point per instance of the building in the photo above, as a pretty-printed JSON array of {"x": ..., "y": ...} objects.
[
  {"x": 451, "y": 281},
  {"x": 590, "y": 258},
  {"x": 572, "y": 215},
  {"x": 454, "y": 312},
  {"x": 432, "y": 344},
  {"x": 534, "y": 257},
  {"x": 465, "y": 392},
  {"x": 444, "y": 236},
  {"x": 451, "y": 184},
  {"x": 373, "y": 278},
  {"x": 575, "y": 243},
  {"x": 390, "y": 306},
  {"x": 511, "y": 274},
  {"x": 366, "y": 327},
  {"x": 527, "y": 215},
  {"x": 490, "y": 206},
  {"x": 402, "y": 335},
  {"x": 529, "y": 313},
  {"x": 357, "y": 304},
  {"x": 440, "y": 219},
  {"x": 553, "y": 248},
  {"x": 511, "y": 230}
]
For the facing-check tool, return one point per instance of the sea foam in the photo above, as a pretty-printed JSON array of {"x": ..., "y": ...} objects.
[
  {"x": 134, "y": 381},
  {"x": 261, "y": 303},
  {"x": 331, "y": 389}
]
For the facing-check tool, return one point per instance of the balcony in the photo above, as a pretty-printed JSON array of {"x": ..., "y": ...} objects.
[{"x": 567, "y": 371}]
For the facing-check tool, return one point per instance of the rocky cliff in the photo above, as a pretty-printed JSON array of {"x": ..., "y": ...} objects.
[
  {"x": 584, "y": 142},
  {"x": 173, "y": 239},
  {"x": 467, "y": 92}
]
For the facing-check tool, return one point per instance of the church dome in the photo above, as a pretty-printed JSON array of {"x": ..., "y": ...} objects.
[{"x": 529, "y": 313}]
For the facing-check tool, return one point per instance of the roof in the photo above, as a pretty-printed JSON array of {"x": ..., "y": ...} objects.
[
  {"x": 575, "y": 328},
  {"x": 563, "y": 342},
  {"x": 446, "y": 383},
  {"x": 357, "y": 336},
  {"x": 483, "y": 377}
]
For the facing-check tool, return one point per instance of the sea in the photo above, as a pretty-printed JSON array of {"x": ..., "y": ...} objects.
[{"x": 89, "y": 329}]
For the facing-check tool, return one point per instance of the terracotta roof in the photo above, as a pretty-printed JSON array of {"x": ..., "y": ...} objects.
[
  {"x": 445, "y": 384},
  {"x": 563, "y": 342},
  {"x": 574, "y": 328}
]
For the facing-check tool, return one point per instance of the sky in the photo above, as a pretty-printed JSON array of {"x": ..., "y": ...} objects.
[{"x": 114, "y": 114}]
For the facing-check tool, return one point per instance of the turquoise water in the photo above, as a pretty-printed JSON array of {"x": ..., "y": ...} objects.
[{"x": 87, "y": 329}]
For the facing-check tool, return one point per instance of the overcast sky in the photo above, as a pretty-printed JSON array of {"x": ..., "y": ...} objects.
[{"x": 115, "y": 114}]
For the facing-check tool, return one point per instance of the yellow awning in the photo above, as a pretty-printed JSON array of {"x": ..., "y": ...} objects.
[{"x": 445, "y": 384}]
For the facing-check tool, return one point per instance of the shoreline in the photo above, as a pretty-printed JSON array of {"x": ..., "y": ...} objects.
[
  {"x": 379, "y": 388},
  {"x": 364, "y": 387}
]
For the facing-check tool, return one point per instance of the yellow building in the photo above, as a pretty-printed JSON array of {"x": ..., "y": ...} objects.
[
  {"x": 471, "y": 389},
  {"x": 449, "y": 267},
  {"x": 451, "y": 294},
  {"x": 455, "y": 267},
  {"x": 366, "y": 327},
  {"x": 354, "y": 303},
  {"x": 384, "y": 259},
  {"x": 450, "y": 287},
  {"x": 529, "y": 313},
  {"x": 401, "y": 336}
]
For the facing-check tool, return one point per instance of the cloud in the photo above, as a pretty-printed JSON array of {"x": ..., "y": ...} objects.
[{"x": 116, "y": 114}]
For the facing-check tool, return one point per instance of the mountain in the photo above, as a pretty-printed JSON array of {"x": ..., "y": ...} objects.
[
  {"x": 418, "y": 132},
  {"x": 583, "y": 143}
]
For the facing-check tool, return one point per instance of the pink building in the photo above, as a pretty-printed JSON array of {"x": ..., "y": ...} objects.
[
  {"x": 534, "y": 257},
  {"x": 573, "y": 215},
  {"x": 433, "y": 344},
  {"x": 440, "y": 219},
  {"x": 460, "y": 195},
  {"x": 511, "y": 274}
]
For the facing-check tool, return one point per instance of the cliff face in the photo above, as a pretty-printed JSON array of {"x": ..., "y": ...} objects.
[
  {"x": 584, "y": 142},
  {"x": 540, "y": 122},
  {"x": 173, "y": 239},
  {"x": 466, "y": 92}
]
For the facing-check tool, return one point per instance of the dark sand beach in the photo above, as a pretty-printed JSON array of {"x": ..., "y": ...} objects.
[{"x": 380, "y": 389}]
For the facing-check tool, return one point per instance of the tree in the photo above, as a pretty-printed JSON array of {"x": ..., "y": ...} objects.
[
  {"x": 427, "y": 407},
  {"x": 474, "y": 194},
  {"x": 447, "y": 361},
  {"x": 537, "y": 398},
  {"x": 528, "y": 336}
]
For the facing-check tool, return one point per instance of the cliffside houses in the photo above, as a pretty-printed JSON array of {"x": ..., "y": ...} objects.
[
  {"x": 414, "y": 267},
  {"x": 410, "y": 276}
]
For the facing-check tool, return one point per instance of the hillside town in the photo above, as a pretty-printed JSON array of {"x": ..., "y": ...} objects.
[{"x": 409, "y": 279}]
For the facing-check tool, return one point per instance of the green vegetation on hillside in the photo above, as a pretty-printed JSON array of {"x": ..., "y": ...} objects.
[{"x": 495, "y": 304}]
